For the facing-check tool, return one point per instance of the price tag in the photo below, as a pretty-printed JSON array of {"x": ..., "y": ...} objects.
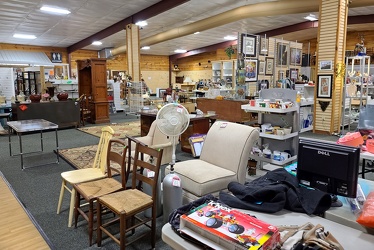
[
  {"x": 223, "y": 125},
  {"x": 176, "y": 182},
  {"x": 150, "y": 173}
]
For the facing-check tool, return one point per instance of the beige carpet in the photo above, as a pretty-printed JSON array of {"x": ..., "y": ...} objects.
[
  {"x": 120, "y": 129},
  {"x": 83, "y": 157}
]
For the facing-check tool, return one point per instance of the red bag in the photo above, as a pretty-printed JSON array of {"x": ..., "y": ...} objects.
[{"x": 366, "y": 218}]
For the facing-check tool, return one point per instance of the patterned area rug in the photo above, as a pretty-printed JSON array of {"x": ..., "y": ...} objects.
[
  {"x": 83, "y": 157},
  {"x": 120, "y": 129}
]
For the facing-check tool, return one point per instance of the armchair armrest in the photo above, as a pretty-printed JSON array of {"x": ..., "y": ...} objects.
[{"x": 162, "y": 145}]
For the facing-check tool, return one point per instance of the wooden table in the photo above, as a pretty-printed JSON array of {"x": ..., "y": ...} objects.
[
  {"x": 199, "y": 124},
  {"x": 228, "y": 110}
]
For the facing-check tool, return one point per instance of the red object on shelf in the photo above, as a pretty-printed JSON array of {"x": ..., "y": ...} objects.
[
  {"x": 110, "y": 98},
  {"x": 370, "y": 145},
  {"x": 351, "y": 139},
  {"x": 62, "y": 96},
  {"x": 35, "y": 98}
]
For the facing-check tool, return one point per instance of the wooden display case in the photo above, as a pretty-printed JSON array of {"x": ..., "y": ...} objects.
[
  {"x": 229, "y": 110},
  {"x": 92, "y": 80}
]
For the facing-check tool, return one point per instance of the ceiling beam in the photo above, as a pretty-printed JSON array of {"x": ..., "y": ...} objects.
[{"x": 145, "y": 14}]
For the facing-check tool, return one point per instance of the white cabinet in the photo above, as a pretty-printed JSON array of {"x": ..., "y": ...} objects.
[
  {"x": 280, "y": 117},
  {"x": 357, "y": 88},
  {"x": 224, "y": 70},
  {"x": 69, "y": 86},
  {"x": 114, "y": 92},
  {"x": 306, "y": 106}
]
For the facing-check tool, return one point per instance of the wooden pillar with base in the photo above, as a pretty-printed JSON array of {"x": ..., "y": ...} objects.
[
  {"x": 133, "y": 51},
  {"x": 332, "y": 31}
]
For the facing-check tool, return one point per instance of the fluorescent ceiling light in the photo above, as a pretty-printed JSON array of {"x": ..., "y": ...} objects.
[
  {"x": 145, "y": 47},
  {"x": 24, "y": 36},
  {"x": 230, "y": 38},
  {"x": 311, "y": 17},
  {"x": 55, "y": 10},
  {"x": 97, "y": 43},
  {"x": 197, "y": 32},
  {"x": 141, "y": 23},
  {"x": 180, "y": 51}
]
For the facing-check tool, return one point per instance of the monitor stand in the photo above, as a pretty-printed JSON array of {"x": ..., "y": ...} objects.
[{"x": 335, "y": 202}]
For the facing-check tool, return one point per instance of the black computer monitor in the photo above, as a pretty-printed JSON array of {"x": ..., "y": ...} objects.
[{"x": 328, "y": 166}]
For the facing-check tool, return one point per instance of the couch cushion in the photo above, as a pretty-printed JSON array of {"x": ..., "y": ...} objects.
[{"x": 201, "y": 178}]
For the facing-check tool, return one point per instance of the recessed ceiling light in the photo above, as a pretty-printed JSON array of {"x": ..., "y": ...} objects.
[
  {"x": 180, "y": 51},
  {"x": 197, "y": 32},
  {"x": 145, "y": 47},
  {"x": 230, "y": 37},
  {"x": 24, "y": 36},
  {"x": 141, "y": 23},
  {"x": 97, "y": 43},
  {"x": 311, "y": 17},
  {"x": 55, "y": 10}
]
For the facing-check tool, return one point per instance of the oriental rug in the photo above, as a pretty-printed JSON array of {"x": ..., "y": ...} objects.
[
  {"x": 120, "y": 129},
  {"x": 83, "y": 157}
]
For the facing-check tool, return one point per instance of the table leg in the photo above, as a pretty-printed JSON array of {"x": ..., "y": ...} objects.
[
  {"x": 41, "y": 140},
  {"x": 20, "y": 149},
  {"x": 10, "y": 143},
  {"x": 58, "y": 156}
]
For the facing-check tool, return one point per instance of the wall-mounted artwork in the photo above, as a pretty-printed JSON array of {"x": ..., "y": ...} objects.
[
  {"x": 282, "y": 54},
  {"x": 324, "y": 86},
  {"x": 251, "y": 69},
  {"x": 249, "y": 44},
  {"x": 295, "y": 57}
]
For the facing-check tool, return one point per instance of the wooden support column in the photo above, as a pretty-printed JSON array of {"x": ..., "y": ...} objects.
[
  {"x": 332, "y": 30},
  {"x": 42, "y": 80},
  {"x": 133, "y": 51}
]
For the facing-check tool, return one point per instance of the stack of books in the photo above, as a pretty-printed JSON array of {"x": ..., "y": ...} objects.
[{"x": 221, "y": 227}]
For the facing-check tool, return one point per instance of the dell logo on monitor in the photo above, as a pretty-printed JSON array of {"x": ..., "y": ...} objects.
[{"x": 323, "y": 153}]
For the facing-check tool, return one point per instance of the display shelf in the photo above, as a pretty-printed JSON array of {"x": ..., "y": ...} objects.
[
  {"x": 279, "y": 137},
  {"x": 306, "y": 129},
  {"x": 272, "y": 161},
  {"x": 249, "y": 108},
  {"x": 69, "y": 86},
  {"x": 224, "y": 70}
]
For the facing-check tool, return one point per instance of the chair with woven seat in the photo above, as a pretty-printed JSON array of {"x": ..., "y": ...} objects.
[
  {"x": 85, "y": 111},
  {"x": 128, "y": 205},
  {"x": 95, "y": 172},
  {"x": 89, "y": 191}
]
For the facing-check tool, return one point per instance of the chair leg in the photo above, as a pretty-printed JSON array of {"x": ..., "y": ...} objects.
[
  {"x": 90, "y": 221},
  {"x": 153, "y": 226},
  {"x": 122, "y": 233},
  {"x": 99, "y": 223},
  {"x": 76, "y": 207},
  {"x": 61, "y": 196},
  {"x": 71, "y": 209}
]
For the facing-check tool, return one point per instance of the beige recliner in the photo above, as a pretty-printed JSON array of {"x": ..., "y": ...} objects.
[
  {"x": 156, "y": 139},
  {"x": 224, "y": 158}
]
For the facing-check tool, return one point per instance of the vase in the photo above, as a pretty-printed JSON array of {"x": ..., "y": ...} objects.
[
  {"x": 34, "y": 98},
  {"x": 51, "y": 91},
  {"x": 62, "y": 96}
]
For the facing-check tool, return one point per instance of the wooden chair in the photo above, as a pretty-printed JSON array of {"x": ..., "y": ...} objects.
[
  {"x": 127, "y": 204},
  {"x": 89, "y": 191},
  {"x": 97, "y": 171},
  {"x": 85, "y": 111}
]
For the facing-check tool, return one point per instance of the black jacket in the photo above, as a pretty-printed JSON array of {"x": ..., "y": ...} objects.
[{"x": 274, "y": 191}]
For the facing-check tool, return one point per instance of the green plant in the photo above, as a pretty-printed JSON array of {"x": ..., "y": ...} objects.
[{"x": 229, "y": 51}]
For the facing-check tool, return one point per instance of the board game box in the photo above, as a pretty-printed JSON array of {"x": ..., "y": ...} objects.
[{"x": 221, "y": 227}]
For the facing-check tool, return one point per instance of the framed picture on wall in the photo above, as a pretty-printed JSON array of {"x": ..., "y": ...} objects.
[
  {"x": 282, "y": 54},
  {"x": 249, "y": 43},
  {"x": 269, "y": 66},
  {"x": 264, "y": 45},
  {"x": 251, "y": 70},
  {"x": 295, "y": 57},
  {"x": 324, "y": 86},
  {"x": 261, "y": 68},
  {"x": 325, "y": 65}
]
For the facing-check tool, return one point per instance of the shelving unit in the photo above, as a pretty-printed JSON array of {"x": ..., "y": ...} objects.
[
  {"x": 136, "y": 97},
  {"x": 114, "y": 89},
  {"x": 224, "y": 70},
  {"x": 306, "y": 107},
  {"x": 358, "y": 85},
  {"x": 277, "y": 117},
  {"x": 69, "y": 86}
]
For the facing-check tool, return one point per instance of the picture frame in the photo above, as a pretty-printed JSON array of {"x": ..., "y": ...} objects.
[
  {"x": 269, "y": 66},
  {"x": 281, "y": 74},
  {"x": 264, "y": 46},
  {"x": 324, "y": 86},
  {"x": 295, "y": 56},
  {"x": 261, "y": 68},
  {"x": 251, "y": 70},
  {"x": 294, "y": 74},
  {"x": 249, "y": 45},
  {"x": 282, "y": 54},
  {"x": 325, "y": 65}
]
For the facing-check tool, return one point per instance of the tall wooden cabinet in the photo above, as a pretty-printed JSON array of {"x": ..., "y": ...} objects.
[{"x": 92, "y": 82}]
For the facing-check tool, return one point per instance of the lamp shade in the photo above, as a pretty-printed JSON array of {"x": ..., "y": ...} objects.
[{"x": 187, "y": 79}]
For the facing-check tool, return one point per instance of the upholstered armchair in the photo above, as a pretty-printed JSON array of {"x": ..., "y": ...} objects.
[{"x": 224, "y": 158}]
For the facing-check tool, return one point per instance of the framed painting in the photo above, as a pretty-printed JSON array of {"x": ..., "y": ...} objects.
[
  {"x": 261, "y": 68},
  {"x": 249, "y": 43},
  {"x": 282, "y": 54},
  {"x": 325, "y": 65},
  {"x": 251, "y": 70},
  {"x": 269, "y": 66},
  {"x": 264, "y": 46},
  {"x": 295, "y": 57},
  {"x": 294, "y": 74},
  {"x": 324, "y": 86}
]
